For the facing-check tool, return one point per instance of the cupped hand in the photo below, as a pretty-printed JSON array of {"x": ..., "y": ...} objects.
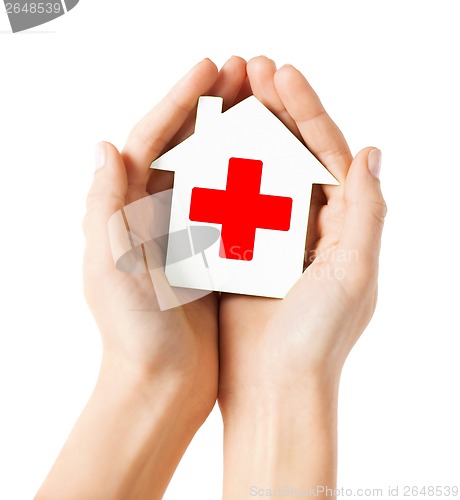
[
  {"x": 271, "y": 342},
  {"x": 180, "y": 343}
]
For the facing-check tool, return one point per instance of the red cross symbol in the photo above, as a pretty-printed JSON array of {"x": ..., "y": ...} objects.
[{"x": 240, "y": 209}]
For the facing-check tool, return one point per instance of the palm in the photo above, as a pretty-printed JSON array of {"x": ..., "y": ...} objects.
[
  {"x": 283, "y": 330},
  {"x": 182, "y": 340},
  {"x": 257, "y": 315},
  {"x": 156, "y": 337}
]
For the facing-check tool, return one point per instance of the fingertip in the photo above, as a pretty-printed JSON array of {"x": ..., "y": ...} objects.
[
  {"x": 100, "y": 155},
  {"x": 374, "y": 162},
  {"x": 359, "y": 165},
  {"x": 234, "y": 65},
  {"x": 105, "y": 153},
  {"x": 365, "y": 210},
  {"x": 289, "y": 75},
  {"x": 283, "y": 79},
  {"x": 206, "y": 68},
  {"x": 237, "y": 60},
  {"x": 362, "y": 182},
  {"x": 260, "y": 71},
  {"x": 109, "y": 154},
  {"x": 209, "y": 72},
  {"x": 208, "y": 64},
  {"x": 366, "y": 151},
  {"x": 113, "y": 150},
  {"x": 109, "y": 187},
  {"x": 230, "y": 81},
  {"x": 367, "y": 161},
  {"x": 286, "y": 67},
  {"x": 260, "y": 61},
  {"x": 111, "y": 165},
  {"x": 285, "y": 71}
]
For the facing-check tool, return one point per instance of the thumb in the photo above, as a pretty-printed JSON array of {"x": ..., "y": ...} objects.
[
  {"x": 107, "y": 193},
  {"x": 365, "y": 208}
]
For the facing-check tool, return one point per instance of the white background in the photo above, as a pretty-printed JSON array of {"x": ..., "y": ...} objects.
[{"x": 387, "y": 71}]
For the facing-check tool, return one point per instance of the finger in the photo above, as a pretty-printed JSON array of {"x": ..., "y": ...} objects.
[
  {"x": 151, "y": 135},
  {"x": 261, "y": 72},
  {"x": 321, "y": 135},
  {"x": 228, "y": 85},
  {"x": 244, "y": 92},
  {"x": 231, "y": 78},
  {"x": 365, "y": 209},
  {"x": 106, "y": 195}
]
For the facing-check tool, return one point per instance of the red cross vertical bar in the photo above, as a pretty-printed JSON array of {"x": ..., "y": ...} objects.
[{"x": 241, "y": 209}]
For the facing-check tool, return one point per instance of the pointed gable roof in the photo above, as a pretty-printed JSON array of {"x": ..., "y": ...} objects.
[{"x": 246, "y": 121}]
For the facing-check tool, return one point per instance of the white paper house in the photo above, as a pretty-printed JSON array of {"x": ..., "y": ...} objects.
[{"x": 244, "y": 173}]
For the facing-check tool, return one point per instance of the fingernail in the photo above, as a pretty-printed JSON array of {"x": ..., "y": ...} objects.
[
  {"x": 374, "y": 162},
  {"x": 101, "y": 153}
]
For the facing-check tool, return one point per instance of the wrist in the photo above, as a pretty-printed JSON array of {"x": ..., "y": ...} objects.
[
  {"x": 271, "y": 396},
  {"x": 289, "y": 436},
  {"x": 163, "y": 391}
]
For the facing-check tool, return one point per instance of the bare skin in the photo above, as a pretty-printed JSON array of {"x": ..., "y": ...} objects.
[{"x": 280, "y": 360}]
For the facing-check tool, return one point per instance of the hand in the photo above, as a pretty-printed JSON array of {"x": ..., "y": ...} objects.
[
  {"x": 158, "y": 379},
  {"x": 281, "y": 359},
  {"x": 323, "y": 315},
  {"x": 180, "y": 343}
]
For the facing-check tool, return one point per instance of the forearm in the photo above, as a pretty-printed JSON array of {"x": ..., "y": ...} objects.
[
  {"x": 126, "y": 443},
  {"x": 277, "y": 439}
]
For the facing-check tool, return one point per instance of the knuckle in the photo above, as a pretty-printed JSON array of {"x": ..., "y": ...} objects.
[
  {"x": 379, "y": 211},
  {"x": 92, "y": 198},
  {"x": 174, "y": 98},
  {"x": 153, "y": 143},
  {"x": 376, "y": 209}
]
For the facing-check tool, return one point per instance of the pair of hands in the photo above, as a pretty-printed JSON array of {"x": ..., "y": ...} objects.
[{"x": 233, "y": 347}]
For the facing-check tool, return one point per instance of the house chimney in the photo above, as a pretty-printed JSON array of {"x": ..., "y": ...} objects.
[{"x": 208, "y": 112}]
